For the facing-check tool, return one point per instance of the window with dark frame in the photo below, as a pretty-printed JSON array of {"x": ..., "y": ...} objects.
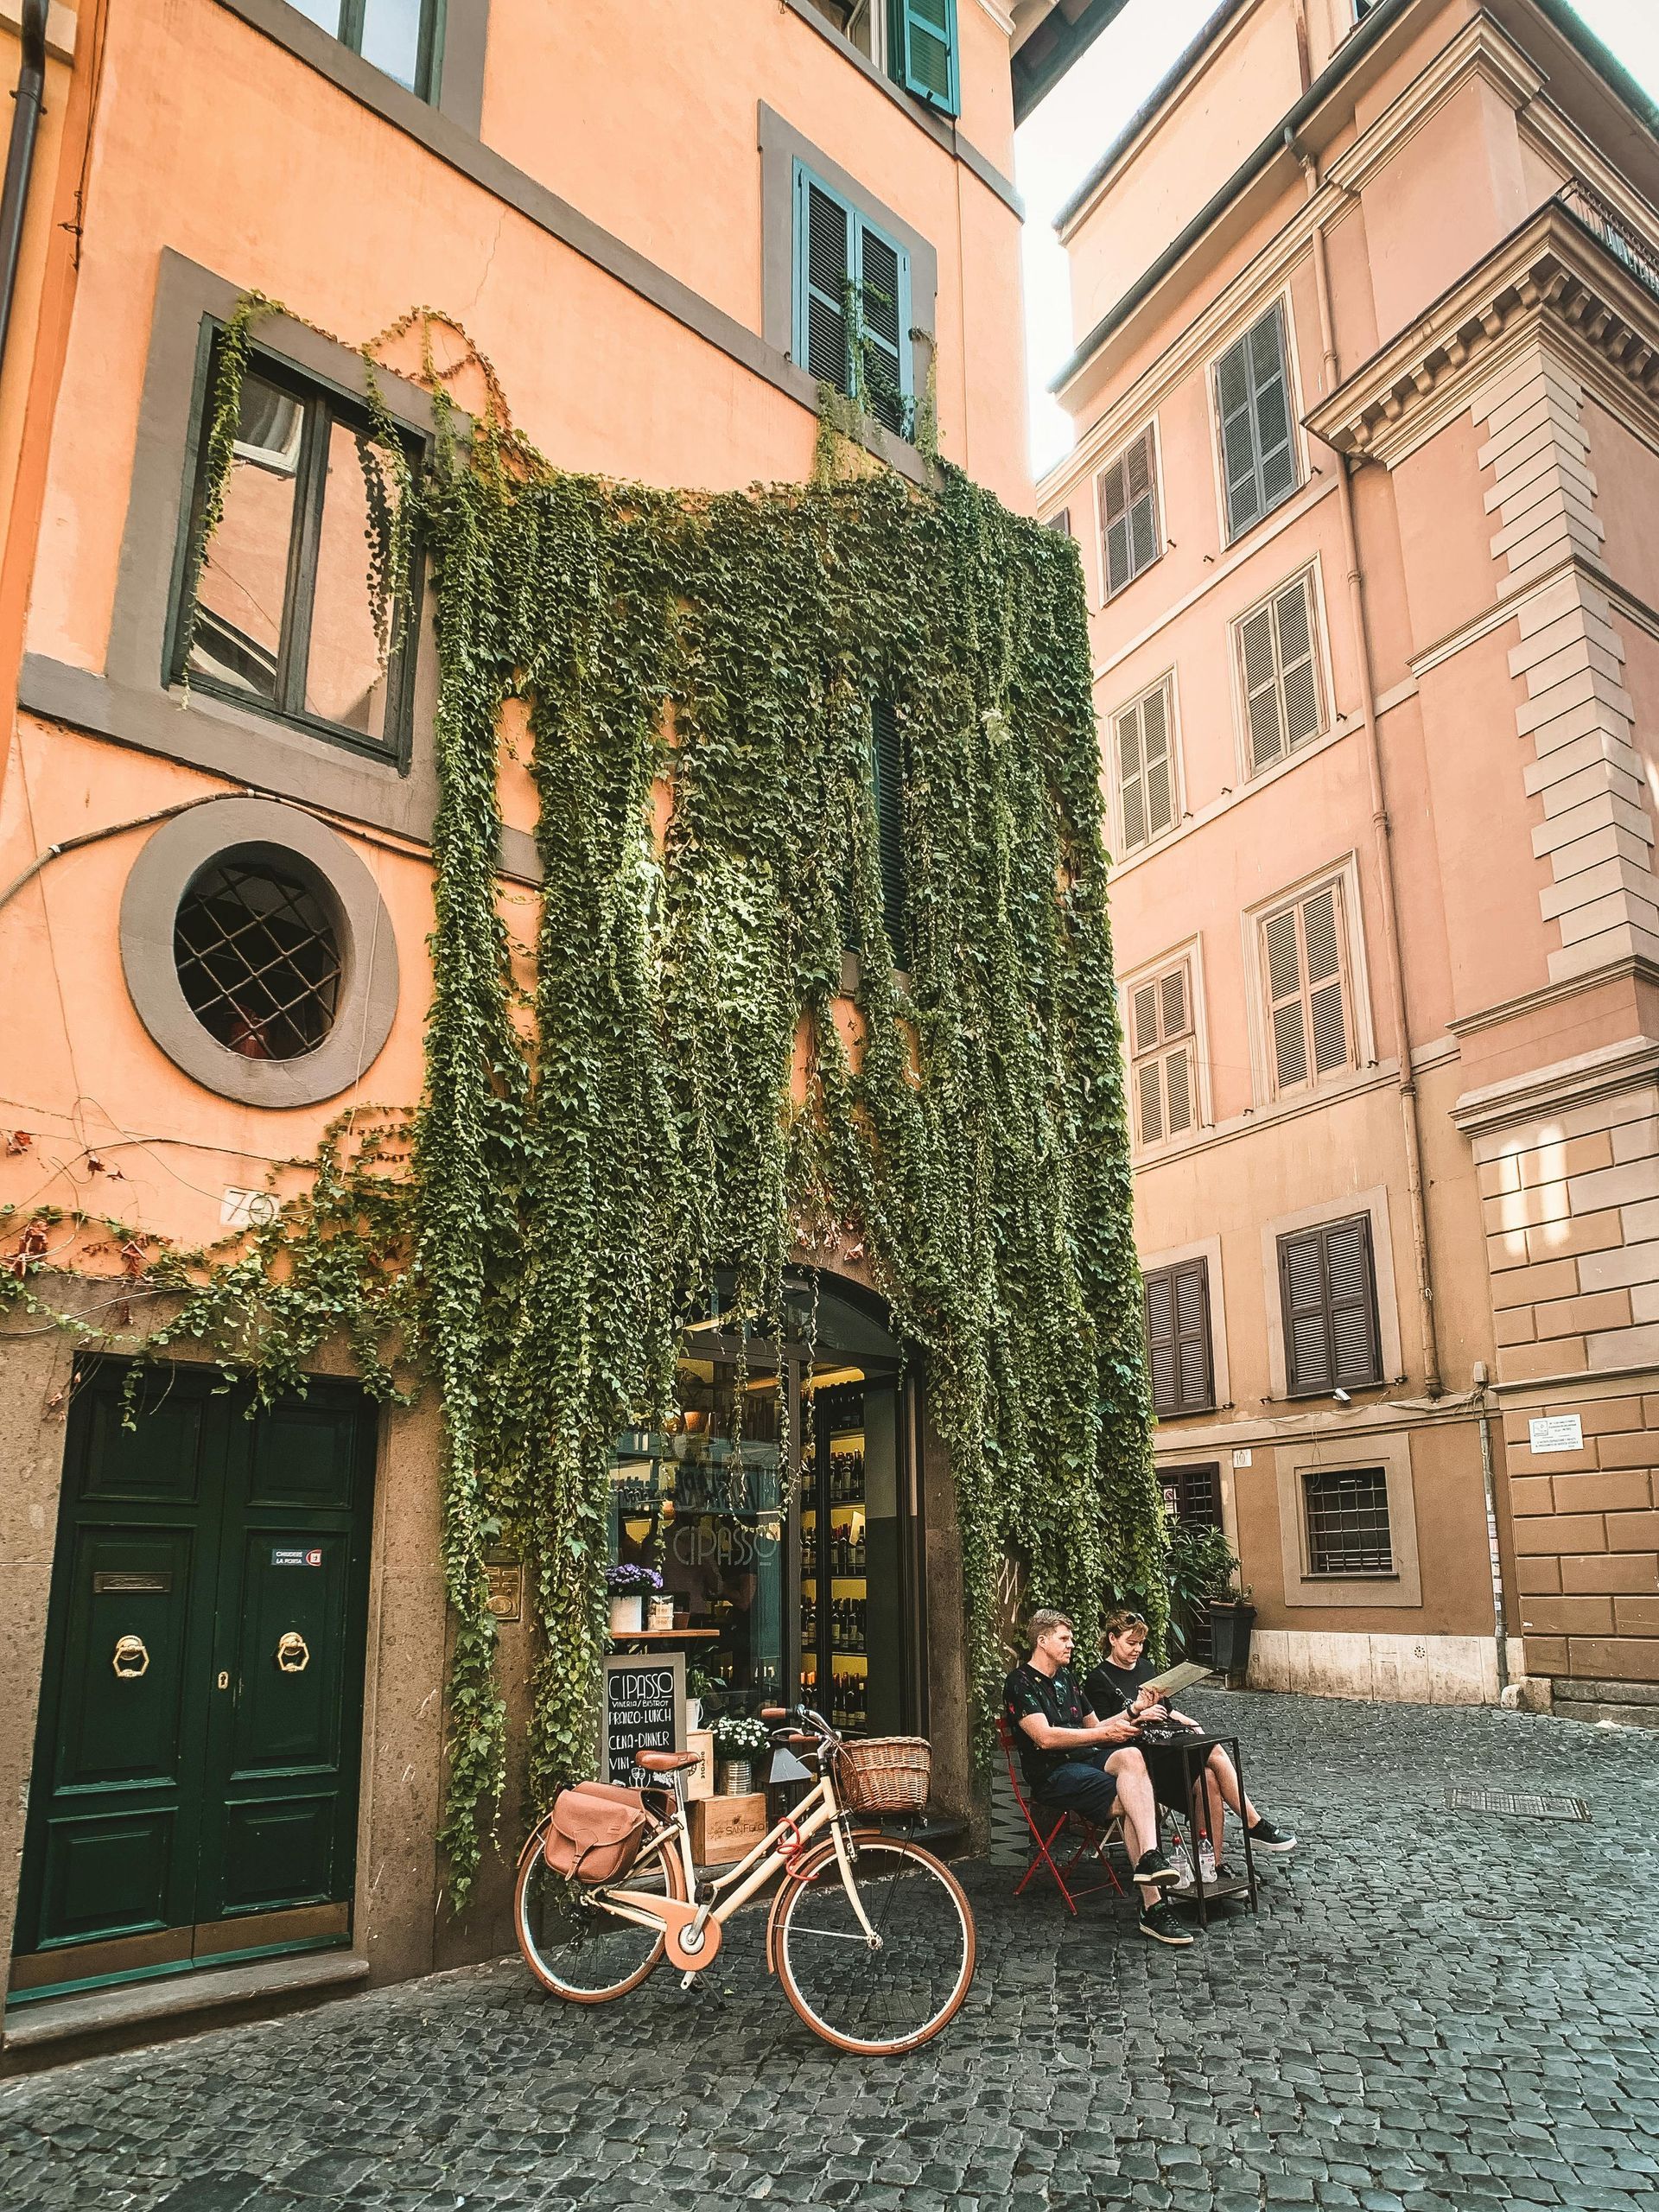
[
  {"x": 1258, "y": 446},
  {"x": 398, "y": 36},
  {"x": 1178, "y": 1338},
  {"x": 1327, "y": 1287},
  {"x": 1345, "y": 1511},
  {"x": 286, "y": 618},
  {"x": 1131, "y": 539},
  {"x": 1192, "y": 1495}
]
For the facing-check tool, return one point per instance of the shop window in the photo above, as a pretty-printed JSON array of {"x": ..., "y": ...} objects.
[
  {"x": 258, "y": 957},
  {"x": 1345, "y": 1513},
  {"x": 1144, "y": 756},
  {"x": 286, "y": 617},
  {"x": 1253, "y": 414},
  {"x": 402, "y": 37},
  {"x": 1327, "y": 1287},
  {"x": 1277, "y": 664},
  {"x": 1309, "y": 1011},
  {"x": 1163, "y": 1059},
  {"x": 1178, "y": 1338},
  {"x": 852, "y": 314},
  {"x": 1131, "y": 539}
]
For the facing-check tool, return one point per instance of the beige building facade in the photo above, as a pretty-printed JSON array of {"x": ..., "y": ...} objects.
[{"x": 1366, "y": 473}]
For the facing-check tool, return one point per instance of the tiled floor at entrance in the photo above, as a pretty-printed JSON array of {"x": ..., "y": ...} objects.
[{"x": 1436, "y": 2011}]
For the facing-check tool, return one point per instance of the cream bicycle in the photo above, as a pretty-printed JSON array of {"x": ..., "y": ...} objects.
[{"x": 871, "y": 1936}]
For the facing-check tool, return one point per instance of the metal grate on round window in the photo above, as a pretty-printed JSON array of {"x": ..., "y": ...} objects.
[{"x": 258, "y": 959}]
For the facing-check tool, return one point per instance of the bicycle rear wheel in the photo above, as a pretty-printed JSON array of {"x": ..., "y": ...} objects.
[
  {"x": 897, "y": 1993},
  {"x": 573, "y": 1947}
]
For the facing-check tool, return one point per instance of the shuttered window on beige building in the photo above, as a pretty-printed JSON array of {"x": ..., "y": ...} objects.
[
  {"x": 1306, "y": 982},
  {"x": 1178, "y": 1338},
  {"x": 1328, "y": 1285},
  {"x": 1130, "y": 538},
  {"x": 1279, "y": 670},
  {"x": 1146, "y": 767},
  {"x": 1163, "y": 1062}
]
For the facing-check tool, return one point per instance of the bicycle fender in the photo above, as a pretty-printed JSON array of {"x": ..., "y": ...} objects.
[{"x": 805, "y": 1869}]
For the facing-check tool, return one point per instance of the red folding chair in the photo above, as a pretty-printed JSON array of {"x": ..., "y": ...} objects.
[{"x": 1046, "y": 1821}]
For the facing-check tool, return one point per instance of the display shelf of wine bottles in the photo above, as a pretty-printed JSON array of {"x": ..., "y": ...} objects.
[{"x": 834, "y": 1564}]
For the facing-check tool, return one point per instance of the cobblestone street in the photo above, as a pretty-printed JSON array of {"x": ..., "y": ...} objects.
[{"x": 1436, "y": 2009}]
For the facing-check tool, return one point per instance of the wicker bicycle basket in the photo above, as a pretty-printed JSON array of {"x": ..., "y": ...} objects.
[{"x": 885, "y": 1774}]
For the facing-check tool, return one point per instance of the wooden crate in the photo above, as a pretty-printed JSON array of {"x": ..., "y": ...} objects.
[
  {"x": 700, "y": 1781},
  {"x": 724, "y": 1828}
]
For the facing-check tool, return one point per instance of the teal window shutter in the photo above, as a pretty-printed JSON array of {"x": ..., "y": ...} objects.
[
  {"x": 922, "y": 51},
  {"x": 843, "y": 262}
]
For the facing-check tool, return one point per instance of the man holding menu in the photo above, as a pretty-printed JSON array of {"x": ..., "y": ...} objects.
[{"x": 1122, "y": 1683}]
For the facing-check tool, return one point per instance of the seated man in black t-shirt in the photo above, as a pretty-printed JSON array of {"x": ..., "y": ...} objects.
[
  {"x": 1117, "y": 1684},
  {"x": 1089, "y": 1766}
]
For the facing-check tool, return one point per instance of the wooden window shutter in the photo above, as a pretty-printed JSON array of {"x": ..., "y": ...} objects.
[
  {"x": 1127, "y": 494},
  {"x": 1146, "y": 776},
  {"x": 1280, "y": 669},
  {"x": 1257, "y": 441},
  {"x": 1310, "y": 1033},
  {"x": 1328, "y": 1292},
  {"x": 884, "y": 309},
  {"x": 1161, "y": 1051},
  {"x": 1178, "y": 1338},
  {"x": 887, "y": 773},
  {"x": 824, "y": 271},
  {"x": 922, "y": 50},
  {"x": 1061, "y": 522}
]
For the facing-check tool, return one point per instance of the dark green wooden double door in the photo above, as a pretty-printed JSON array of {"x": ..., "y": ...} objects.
[{"x": 195, "y": 1780}]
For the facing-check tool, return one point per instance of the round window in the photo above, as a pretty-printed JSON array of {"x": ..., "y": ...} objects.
[
  {"x": 257, "y": 957},
  {"x": 258, "y": 952}
]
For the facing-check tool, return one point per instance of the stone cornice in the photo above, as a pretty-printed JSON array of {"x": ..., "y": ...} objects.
[
  {"x": 1603, "y": 1074},
  {"x": 1480, "y": 49},
  {"x": 1551, "y": 272}
]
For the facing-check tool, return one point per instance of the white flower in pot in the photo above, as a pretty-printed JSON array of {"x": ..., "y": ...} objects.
[{"x": 739, "y": 1742}]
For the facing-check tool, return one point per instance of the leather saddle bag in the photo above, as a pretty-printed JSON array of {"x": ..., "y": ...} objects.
[{"x": 596, "y": 1832}]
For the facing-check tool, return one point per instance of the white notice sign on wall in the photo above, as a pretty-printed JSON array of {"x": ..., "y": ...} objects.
[{"x": 1557, "y": 1433}]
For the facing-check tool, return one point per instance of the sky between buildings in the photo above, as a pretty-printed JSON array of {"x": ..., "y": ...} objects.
[{"x": 1074, "y": 125}]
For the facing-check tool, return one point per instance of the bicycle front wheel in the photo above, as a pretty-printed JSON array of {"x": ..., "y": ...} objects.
[
  {"x": 572, "y": 1945},
  {"x": 890, "y": 1994}
]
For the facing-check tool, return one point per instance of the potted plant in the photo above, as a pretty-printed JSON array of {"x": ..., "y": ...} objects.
[
  {"x": 738, "y": 1741},
  {"x": 1201, "y": 1570},
  {"x": 629, "y": 1586},
  {"x": 697, "y": 1686}
]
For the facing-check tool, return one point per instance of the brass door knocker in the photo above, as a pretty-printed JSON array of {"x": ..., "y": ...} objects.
[
  {"x": 130, "y": 1658},
  {"x": 293, "y": 1654}
]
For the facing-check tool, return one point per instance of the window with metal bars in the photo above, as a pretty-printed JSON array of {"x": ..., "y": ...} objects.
[
  {"x": 403, "y": 37},
  {"x": 258, "y": 956},
  {"x": 1253, "y": 416},
  {"x": 1347, "y": 1516},
  {"x": 1306, "y": 967},
  {"x": 1278, "y": 661},
  {"x": 1178, "y": 1338},
  {"x": 922, "y": 51},
  {"x": 1130, "y": 536},
  {"x": 1192, "y": 1495},
  {"x": 288, "y": 617},
  {"x": 852, "y": 304},
  {"x": 1163, "y": 1062},
  {"x": 1143, "y": 753},
  {"x": 1327, "y": 1288}
]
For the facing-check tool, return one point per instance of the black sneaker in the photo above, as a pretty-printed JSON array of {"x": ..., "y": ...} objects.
[
  {"x": 1265, "y": 1837},
  {"x": 1159, "y": 1921},
  {"x": 1155, "y": 1872}
]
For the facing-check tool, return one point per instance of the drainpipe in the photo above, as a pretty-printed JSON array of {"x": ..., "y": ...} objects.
[
  {"x": 1408, "y": 1118},
  {"x": 20, "y": 156},
  {"x": 1500, "y": 1626}
]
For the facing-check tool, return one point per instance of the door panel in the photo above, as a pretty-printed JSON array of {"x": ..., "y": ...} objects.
[
  {"x": 202, "y": 1781},
  {"x": 278, "y": 1851}
]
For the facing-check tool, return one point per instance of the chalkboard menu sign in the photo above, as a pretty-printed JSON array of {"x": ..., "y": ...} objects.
[{"x": 645, "y": 1706}]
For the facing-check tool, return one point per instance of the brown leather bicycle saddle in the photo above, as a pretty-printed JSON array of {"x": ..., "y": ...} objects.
[{"x": 666, "y": 1762}]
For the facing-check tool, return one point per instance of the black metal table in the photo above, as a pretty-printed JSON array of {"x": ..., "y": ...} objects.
[{"x": 1194, "y": 1747}]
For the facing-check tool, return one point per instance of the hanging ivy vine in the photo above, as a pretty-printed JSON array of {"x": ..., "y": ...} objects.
[{"x": 586, "y": 1168}]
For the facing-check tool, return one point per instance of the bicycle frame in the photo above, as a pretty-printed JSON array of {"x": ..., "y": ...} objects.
[{"x": 688, "y": 1928}]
